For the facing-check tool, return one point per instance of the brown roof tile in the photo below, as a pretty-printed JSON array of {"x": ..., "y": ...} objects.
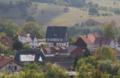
[
  {"x": 104, "y": 40},
  {"x": 88, "y": 39},
  {"x": 54, "y": 50},
  {"x": 7, "y": 42},
  {"x": 4, "y": 61}
]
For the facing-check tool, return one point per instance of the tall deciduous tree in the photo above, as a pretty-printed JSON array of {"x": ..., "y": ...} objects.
[
  {"x": 93, "y": 10},
  {"x": 109, "y": 31},
  {"x": 3, "y": 49},
  {"x": 17, "y": 44},
  {"x": 105, "y": 53},
  {"x": 31, "y": 28},
  {"x": 54, "y": 71},
  {"x": 9, "y": 32},
  {"x": 5, "y": 23}
]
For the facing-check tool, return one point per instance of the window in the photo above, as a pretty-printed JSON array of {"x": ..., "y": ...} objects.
[
  {"x": 9, "y": 67},
  {"x": 58, "y": 39},
  {"x": 61, "y": 39},
  {"x": 55, "y": 34},
  {"x": 47, "y": 39},
  {"x": 51, "y": 39},
  {"x": 15, "y": 67},
  {"x": 48, "y": 51}
]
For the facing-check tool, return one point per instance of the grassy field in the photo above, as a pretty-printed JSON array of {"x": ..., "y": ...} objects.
[{"x": 54, "y": 15}]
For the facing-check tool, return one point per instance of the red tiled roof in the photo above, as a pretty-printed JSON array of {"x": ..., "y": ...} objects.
[
  {"x": 96, "y": 34},
  {"x": 4, "y": 61},
  {"x": 54, "y": 50},
  {"x": 104, "y": 40},
  {"x": 88, "y": 39},
  {"x": 7, "y": 42},
  {"x": 77, "y": 50}
]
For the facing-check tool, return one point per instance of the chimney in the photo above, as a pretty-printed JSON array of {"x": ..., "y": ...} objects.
[
  {"x": 86, "y": 36},
  {"x": 11, "y": 57},
  {"x": 2, "y": 55}
]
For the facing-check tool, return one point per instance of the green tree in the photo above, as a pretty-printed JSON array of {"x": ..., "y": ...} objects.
[
  {"x": 105, "y": 53},
  {"x": 66, "y": 9},
  {"x": 109, "y": 31},
  {"x": 9, "y": 32},
  {"x": 36, "y": 5},
  {"x": 25, "y": 46},
  {"x": 93, "y": 10},
  {"x": 108, "y": 66},
  {"x": 3, "y": 49},
  {"x": 31, "y": 28},
  {"x": 87, "y": 60},
  {"x": 54, "y": 71},
  {"x": 10, "y": 2},
  {"x": 5, "y": 23},
  {"x": 17, "y": 44},
  {"x": 86, "y": 53},
  {"x": 96, "y": 5},
  {"x": 85, "y": 71},
  {"x": 46, "y": 45},
  {"x": 114, "y": 3},
  {"x": 71, "y": 41},
  {"x": 31, "y": 66},
  {"x": 10, "y": 53},
  {"x": 75, "y": 62},
  {"x": 30, "y": 18}
]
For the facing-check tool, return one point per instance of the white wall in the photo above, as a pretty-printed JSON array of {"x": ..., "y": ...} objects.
[
  {"x": 112, "y": 44},
  {"x": 12, "y": 64},
  {"x": 21, "y": 39},
  {"x": 59, "y": 44},
  {"x": 33, "y": 44}
]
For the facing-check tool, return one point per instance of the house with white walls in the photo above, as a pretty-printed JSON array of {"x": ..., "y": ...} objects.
[
  {"x": 103, "y": 41},
  {"x": 30, "y": 56},
  {"x": 57, "y": 36},
  {"x": 27, "y": 38},
  {"x": 9, "y": 65}
]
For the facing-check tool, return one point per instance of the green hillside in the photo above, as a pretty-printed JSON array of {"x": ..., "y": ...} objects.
[{"x": 54, "y": 15}]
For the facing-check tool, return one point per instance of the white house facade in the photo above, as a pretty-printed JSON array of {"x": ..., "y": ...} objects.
[
  {"x": 57, "y": 36},
  {"x": 27, "y": 38},
  {"x": 11, "y": 67}
]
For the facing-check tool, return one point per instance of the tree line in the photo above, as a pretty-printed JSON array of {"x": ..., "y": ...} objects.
[{"x": 104, "y": 64}]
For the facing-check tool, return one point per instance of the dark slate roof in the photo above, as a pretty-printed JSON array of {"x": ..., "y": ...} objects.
[
  {"x": 60, "y": 59},
  {"x": 35, "y": 52},
  {"x": 56, "y": 31}
]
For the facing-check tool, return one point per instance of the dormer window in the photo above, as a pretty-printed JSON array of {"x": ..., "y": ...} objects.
[
  {"x": 55, "y": 34},
  {"x": 48, "y": 52}
]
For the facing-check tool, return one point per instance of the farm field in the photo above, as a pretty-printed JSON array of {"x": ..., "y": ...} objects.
[{"x": 54, "y": 15}]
